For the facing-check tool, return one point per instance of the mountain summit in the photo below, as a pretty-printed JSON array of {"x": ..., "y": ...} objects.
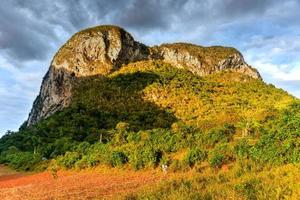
[
  {"x": 102, "y": 50},
  {"x": 110, "y": 101}
]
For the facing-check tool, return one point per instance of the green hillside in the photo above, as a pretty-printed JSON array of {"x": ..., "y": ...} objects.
[
  {"x": 149, "y": 113},
  {"x": 154, "y": 96}
]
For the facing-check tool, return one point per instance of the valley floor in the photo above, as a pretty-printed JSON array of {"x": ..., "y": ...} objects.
[
  {"x": 92, "y": 184},
  {"x": 281, "y": 182}
]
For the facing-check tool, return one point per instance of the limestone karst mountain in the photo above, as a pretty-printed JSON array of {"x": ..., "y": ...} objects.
[
  {"x": 109, "y": 101},
  {"x": 104, "y": 49}
]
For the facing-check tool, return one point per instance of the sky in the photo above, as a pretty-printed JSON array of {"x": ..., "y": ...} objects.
[{"x": 267, "y": 32}]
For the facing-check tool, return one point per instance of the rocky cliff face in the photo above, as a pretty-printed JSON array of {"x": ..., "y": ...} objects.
[
  {"x": 93, "y": 51},
  {"x": 203, "y": 60},
  {"x": 104, "y": 49},
  {"x": 99, "y": 50}
]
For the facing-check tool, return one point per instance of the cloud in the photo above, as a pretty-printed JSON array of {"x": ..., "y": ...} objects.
[
  {"x": 19, "y": 36},
  {"x": 26, "y": 27},
  {"x": 18, "y": 88},
  {"x": 145, "y": 14},
  {"x": 279, "y": 72}
]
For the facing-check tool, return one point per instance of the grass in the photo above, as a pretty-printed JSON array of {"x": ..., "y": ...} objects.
[
  {"x": 278, "y": 183},
  {"x": 4, "y": 170},
  {"x": 237, "y": 136}
]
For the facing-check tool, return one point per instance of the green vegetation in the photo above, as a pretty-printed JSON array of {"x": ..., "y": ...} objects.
[
  {"x": 150, "y": 113},
  {"x": 278, "y": 183}
]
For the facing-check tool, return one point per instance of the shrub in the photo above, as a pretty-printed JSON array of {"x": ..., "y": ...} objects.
[
  {"x": 120, "y": 133},
  {"x": 220, "y": 135},
  {"x": 68, "y": 160},
  {"x": 92, "y": 160},
  {"x": 242, "y": 149},
  {"x": 118, "y": 158},
  {"x": 195, "y": 155},
  {"x": 216, "y": 160},
  {"x": 249, "y": 188},
  {"x": 221, "y": 154},
  {"x": 23, "y": 160},
  {"x": 144, "y": 156},
  {"x": 83, "y": 148},
  {"x": 82, "y": 163},
  {"x": 175, "y": 166},
  {"x": 99, "y": 153},
  {"x": 58, "y": 147}
]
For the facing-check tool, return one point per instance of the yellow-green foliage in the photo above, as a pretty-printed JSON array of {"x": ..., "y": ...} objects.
[
  {"x": 278, "y": 183},
  {"x": 150, "y": 113},
  {"x": 206, "y": 102}
]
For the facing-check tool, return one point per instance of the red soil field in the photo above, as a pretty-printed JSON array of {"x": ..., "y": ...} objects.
[{"x": 91, "y": 184}]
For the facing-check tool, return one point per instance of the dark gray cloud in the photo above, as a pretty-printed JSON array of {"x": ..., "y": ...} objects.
[
  {"x": 150, "y": 14},
  {"x": 26, "y": 27},
  {"x": 233, "y": 8},
  {"x": 21, "y": 37}
]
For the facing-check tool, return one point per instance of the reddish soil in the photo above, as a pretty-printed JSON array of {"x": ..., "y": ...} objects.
[{"x": 92, "y": 184}]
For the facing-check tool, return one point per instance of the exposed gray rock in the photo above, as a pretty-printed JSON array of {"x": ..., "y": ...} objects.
[
  {"x": 237, "y": 63},
  {"x": 182, "y": 59},
  {"x": 55, "y": 94},
  {"x": 99, "y": 50},
  {"x": 104, "y": 49},
  {"x": 204, "y": 60}
]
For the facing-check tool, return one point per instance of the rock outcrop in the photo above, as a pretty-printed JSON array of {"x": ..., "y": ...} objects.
[
  {"x": 94, "y": 51},
  {"x": 203, "y": 60},
  {"x": 104, "y": 49},
  {"x": 99, "y": 50}
]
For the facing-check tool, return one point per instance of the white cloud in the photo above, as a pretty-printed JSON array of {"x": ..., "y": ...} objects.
[
  {"x": 292, "y": 75},
  {"x": 279, "y": 71},
  {"x": 18, "y": 89}
]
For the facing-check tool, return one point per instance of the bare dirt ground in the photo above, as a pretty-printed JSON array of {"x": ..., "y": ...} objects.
[{"x": 89, "y": 184}]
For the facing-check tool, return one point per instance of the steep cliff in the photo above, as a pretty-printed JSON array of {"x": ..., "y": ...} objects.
[
  {"x": 94, "y": 51},
  {"x": 104, "y": 49},
  {"x": 204, "y": 60}
]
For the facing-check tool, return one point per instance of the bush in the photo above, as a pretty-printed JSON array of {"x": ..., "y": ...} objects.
[
  {"x": 249, "y": 188},
  {"x": 120, "y": 133},
  {"x": 83, "y": 148},
  {"x": 118, "y": 158},
  {"x": 58, "y": 147},
  {"x": 68, "y": 160},
  {"x": 23, "y": 160},
  {"x": 195, "y": 155},
  {"x": 99, "y": 153},
  {"x": 220, "y": 135},
  {"x": 242, "y": 149},
  {"x": 222, "y": 153},
  {"x": 82, "y": 163},
  {"x": 177, "y": 165},
  {"x": 216, "y": 160},
  {"x": 144, "y": 156}
]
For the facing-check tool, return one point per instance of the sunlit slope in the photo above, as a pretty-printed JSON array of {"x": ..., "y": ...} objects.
[{"x": 205, "y": 102}]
